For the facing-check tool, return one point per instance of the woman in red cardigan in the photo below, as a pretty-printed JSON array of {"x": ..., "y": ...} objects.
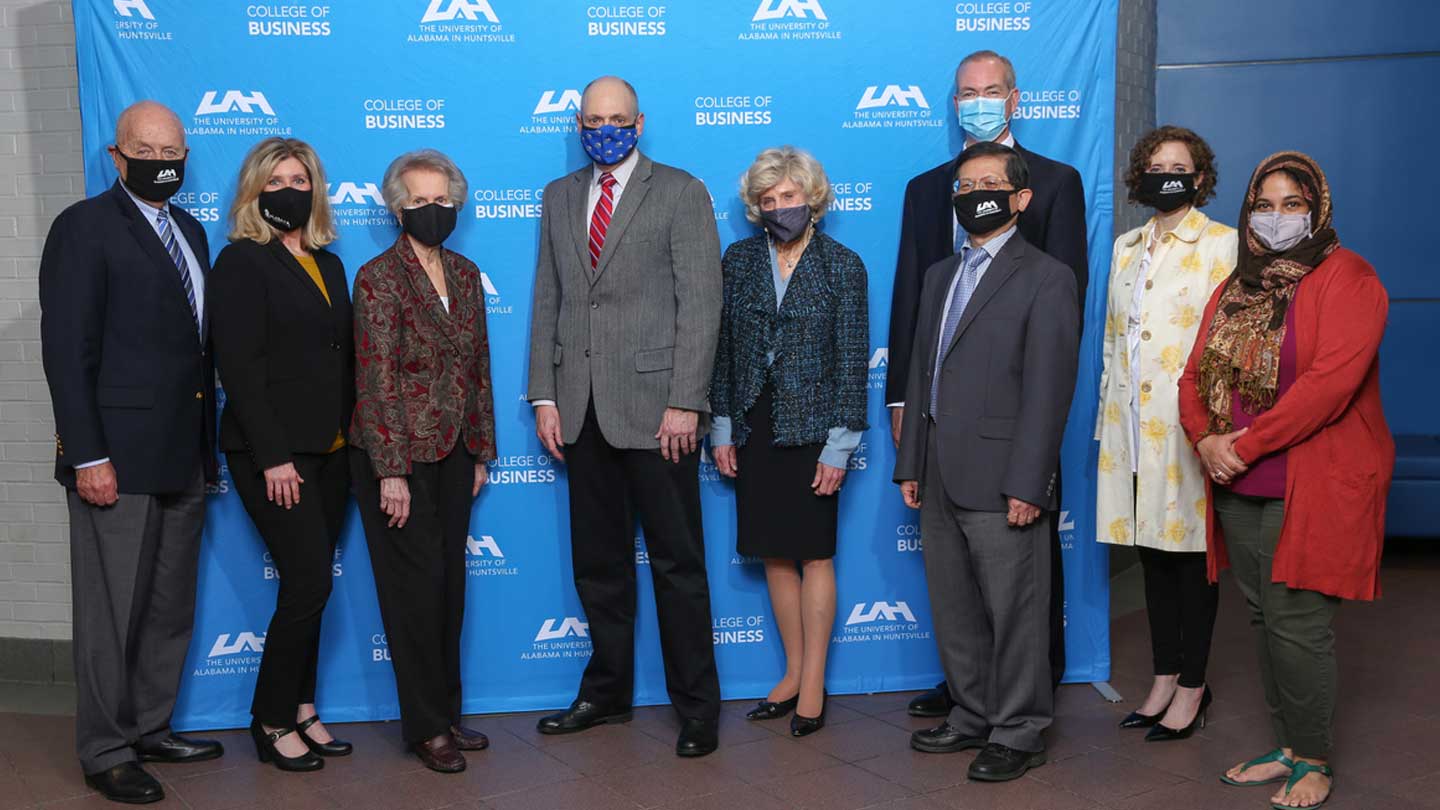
[{"x": 1281, "y": 400}]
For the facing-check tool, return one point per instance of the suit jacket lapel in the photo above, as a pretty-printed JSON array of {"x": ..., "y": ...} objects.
[
  {"x": 579, "y": 213},
  {"x": 425, "y": 291},
  {"x": 283, "y": 255},
  {"x": 150, "y": 243},
  {"x": 802, "y": 278},
  {"x": 1001, "y": 268},
  {"x": 630, "y": 199}
]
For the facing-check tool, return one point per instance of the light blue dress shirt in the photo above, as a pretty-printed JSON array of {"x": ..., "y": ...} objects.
[{"x": 840, "y": 443}]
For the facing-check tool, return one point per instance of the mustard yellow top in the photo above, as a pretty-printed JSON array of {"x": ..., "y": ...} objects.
[{"x": 312, "y": 269}]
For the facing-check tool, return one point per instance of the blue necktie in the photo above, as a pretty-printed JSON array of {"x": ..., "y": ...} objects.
[
  {"x": 964, "y": 286},
  {"x": 172, "y": 246}
]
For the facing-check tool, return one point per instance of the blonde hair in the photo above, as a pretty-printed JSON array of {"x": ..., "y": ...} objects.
[
  {"x": 255, "y": 171},
  {"x": 786, "y": 163}
]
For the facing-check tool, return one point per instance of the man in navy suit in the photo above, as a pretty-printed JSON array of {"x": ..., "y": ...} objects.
[
  {"x": 123, "y": 338},
  {"x": 986, "y": 97}
]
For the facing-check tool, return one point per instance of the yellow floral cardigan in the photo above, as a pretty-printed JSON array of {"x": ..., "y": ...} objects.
[{"x": 1188, "y": 264}]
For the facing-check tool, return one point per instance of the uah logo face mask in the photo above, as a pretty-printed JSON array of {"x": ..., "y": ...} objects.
[
  {"x": 982, "y": 211},
  {"x": 1166, "y": 192}
]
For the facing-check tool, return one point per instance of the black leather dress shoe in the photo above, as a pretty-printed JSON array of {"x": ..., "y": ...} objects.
[
  {"x": 944, "y": 739},
  {"x": 697, "y": 738},
  {"x": 334, "y": 748},
  {"x": 178, "y": 749},
  {"x": 468, "y": 739},
  {"x": 128, "y": 783},
  {"x": 581, "y": 715},
  {"x": 934, "y": 703},
  {"x": 1138, "y": 720},
  {"x": 1000, "y": 763}
]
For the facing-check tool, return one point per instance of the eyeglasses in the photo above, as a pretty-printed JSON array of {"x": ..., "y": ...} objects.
[
  {"x": 618, "y": 121},
  {"x": 146, "y": 153},
  {"x": 989, "y": 183}
]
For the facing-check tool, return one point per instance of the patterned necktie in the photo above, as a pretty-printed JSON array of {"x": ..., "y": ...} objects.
[
  {"x": 172, "y": 246},
  {"x": 964, "y": 286},
  {"x": 600, "y": 220}
]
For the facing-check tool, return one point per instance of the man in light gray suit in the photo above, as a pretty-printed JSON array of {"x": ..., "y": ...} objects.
[
  {"x": 996, "y": 346},
  {"x": 622, "y": 340}
]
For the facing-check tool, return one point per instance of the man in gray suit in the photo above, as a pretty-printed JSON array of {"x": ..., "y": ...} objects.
[
  {"x": 622, "y": 339},
  {"x": 998, "y": 335}
]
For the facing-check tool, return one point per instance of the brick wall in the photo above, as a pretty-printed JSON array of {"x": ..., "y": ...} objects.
[{"x": 40, "y": 174}]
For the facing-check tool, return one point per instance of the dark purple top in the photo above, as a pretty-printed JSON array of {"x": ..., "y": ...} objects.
[{"x": 1266, "y": 476}]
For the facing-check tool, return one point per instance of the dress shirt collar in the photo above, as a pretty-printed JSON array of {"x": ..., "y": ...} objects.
[
  {"x": 622, "y": 172},
  {"x": 1008, "y": 140},
  {"x": 996, "y": 244},
  {"x": 151, "y": 212}
]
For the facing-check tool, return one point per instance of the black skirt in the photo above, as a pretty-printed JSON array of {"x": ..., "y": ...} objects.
[{"x": 778, "y": 514}]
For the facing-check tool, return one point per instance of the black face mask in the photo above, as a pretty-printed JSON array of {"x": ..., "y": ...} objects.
[
  {"x": 430, "y": 224},
  {"x": 1166, "y": 192},
  {"x": 288, "y": 209},
  {"x": 786, "y": 224},
  {"x": 153, "y": 180},
  {"x": 982, "y": 211}
]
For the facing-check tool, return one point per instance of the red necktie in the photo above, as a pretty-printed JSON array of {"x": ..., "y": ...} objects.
[{"x": 600, "y": 220}]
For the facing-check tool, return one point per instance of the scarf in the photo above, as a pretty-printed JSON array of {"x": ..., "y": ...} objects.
[{"x": 1242, "y": 348}]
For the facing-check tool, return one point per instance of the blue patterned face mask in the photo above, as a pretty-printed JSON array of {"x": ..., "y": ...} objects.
[
  {"x": 982, "y": 118},
  {"x": 608, "y": 144}
]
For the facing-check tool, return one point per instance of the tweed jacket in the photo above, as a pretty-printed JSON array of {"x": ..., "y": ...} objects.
[
  {"x": 1165, "y": 508},
  {"x": 422, "y": 375},
  {"x": 820, "y": 337}
]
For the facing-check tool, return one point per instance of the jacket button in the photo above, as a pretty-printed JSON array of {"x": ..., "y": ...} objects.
[
  {"x": 587, "y": 352},
  {"x": 594, "y": 304},
  {"x": 199, "y": 394},
  {"x": 1150, "y": 285},
  {"x": 1145, "y": 335},
  {"x": 335, "y": 346},
  {"x": 1145, "y": 387}
]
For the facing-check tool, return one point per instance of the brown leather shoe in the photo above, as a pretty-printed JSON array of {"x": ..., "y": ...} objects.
[
  {"x": 440, "y": 754},
  {"x": 468, "y": 739}
]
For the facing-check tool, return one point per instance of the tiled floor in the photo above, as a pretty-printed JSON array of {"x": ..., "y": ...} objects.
[{"x": 1388, "y": 753}]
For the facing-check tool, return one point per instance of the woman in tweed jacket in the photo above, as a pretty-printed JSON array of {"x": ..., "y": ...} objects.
[{"x": 788, "y": 399}]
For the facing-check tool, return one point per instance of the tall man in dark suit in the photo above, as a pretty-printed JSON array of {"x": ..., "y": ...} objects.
[
  {"x": 986, "y": 97},
  {"x": 622, "y": 342},
  {"x": 123, "y": 334},
  {"x": 995, "y": 357}
]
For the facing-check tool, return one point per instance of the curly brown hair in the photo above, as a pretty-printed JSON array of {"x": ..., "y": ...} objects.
[{"x": 1200, "y": 153}]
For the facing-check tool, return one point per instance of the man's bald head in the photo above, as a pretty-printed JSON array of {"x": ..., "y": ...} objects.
[
  {"x": 149, "y": 123},
  {"x": 608, "y": 96}
]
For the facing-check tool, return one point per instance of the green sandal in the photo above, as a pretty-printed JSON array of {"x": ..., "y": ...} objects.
[
  {"x": 1301, "y": 769},
  {"x": 1278, "y": 755}
]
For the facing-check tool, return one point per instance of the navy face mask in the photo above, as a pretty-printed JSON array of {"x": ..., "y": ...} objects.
[{"x": 786, "y": 224}]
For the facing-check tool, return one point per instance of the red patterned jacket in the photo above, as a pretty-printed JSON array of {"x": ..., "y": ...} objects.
[{"x": 422, "y": 375}]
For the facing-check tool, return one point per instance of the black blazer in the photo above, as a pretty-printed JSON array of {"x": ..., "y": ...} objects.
[
  {"x": 130, "y": 377},
  {"x": 286, "y": 357},
  {"x": 1006, "y": 380},
  {"x": 1053, "y": 222}
]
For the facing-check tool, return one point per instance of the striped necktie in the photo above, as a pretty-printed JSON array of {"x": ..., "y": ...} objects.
[
  {"x": 600, "y": 220},
  {"x": 172, "y": 246},
  {"x": 964, "y": 287}
]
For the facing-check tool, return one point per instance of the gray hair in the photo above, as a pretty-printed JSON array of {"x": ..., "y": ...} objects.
[
  {"x": 978, "y": 55},
  {"x": 785, "y": 163},
  {"x": 392, "y": 188}
]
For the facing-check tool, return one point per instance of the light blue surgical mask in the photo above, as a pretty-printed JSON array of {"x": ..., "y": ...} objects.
[
  {"x": 982, "y": 118},
  {"x": 1278, "y": 231}
]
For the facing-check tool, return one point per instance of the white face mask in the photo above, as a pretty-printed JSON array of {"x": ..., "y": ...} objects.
[{"x": 1278, "y": 231}]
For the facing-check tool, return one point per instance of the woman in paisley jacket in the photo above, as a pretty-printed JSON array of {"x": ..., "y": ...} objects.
[
  {"x": 788, "y": 400},
  {"x": 423, "y": 429},
  {"x": 1151, "y": 490}
]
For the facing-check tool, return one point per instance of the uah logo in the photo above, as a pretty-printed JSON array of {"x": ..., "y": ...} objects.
[
  {"x": 447, "y": 10},
  {"x": 356, "y": 193},
  {"x": 880, "y": 611},
  {"x": 486, "y": 543},
  {"x": 776, "y": 9},
  {"x": 880, "y": 359},
  {"x": 167, "y": 176},
  {"x": 1067, "y": 523},
  {"x": 569, "y": 626},
  {"x": 892, "y": 96},
  {"x": 488, "y": 285},
  {"x": 987, "y": 207},
  {"x": 244, "y": 642},
  {"x": 569, "y": 101},
  {"x": 232, "y": 101},
  {"x": 1172, "y": 186},
  {"x": 124, "y": 7}
]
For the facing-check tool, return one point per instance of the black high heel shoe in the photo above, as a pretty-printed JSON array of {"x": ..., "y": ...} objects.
[
  {"x": 265, "y": 750},
  {"x": 802, "y": 726},
  {"x": 1161, "y": 733},
  {"x": 767, "y": 710},
  {"x": 334, "y": 748},
  {"x": 1138, "y": 720}
]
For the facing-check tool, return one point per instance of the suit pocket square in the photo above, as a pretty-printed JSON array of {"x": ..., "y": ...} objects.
[{"x": 655, "y": 359}]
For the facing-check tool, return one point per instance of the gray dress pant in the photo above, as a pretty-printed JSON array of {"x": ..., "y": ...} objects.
[
  {"x": 990, "y": 600},
  {"x": 133, "y": 567}
]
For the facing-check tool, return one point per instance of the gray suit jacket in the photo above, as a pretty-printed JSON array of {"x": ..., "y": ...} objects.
[
  {"x": 1005, "y": 382},
  {"x": 638, "y": 333}
]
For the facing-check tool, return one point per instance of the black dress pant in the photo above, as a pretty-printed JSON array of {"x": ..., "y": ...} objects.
[
  {"x": 1181, "y": 604},
  {"x": 608, "y": 486},
  {"x": 301, "y": 541},
  {"x": 420, "y": 581},
  {"x": 1057, "y": 595}
]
